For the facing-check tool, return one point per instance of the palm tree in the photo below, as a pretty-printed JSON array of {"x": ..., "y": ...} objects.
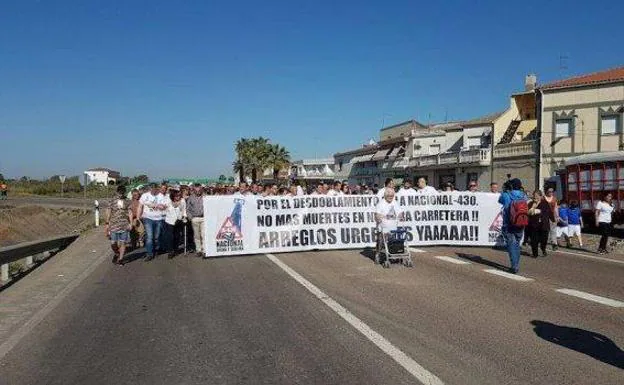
[
  {"x": 279, "y": 158},
  {"x": 259, "y": 156},
  {"x": 241, "y": 165},
  {"x": 255, "y": 155}
]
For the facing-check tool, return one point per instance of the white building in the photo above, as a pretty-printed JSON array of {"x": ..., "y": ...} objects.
[
  {"x": 103, "y": 176},
  {"x": 456, "y": 152},
  {"x": 313, "y": 170}
]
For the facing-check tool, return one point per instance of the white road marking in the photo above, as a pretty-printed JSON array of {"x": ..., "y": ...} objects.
[
  {"x": 591, "y": 256},
  {"x": 592, "y": 297},
  {"x": 414, "y": 368},
  {"x": 413, "y": 250},
  {"x": 515, "y": 277},
  {"x": 453, "y": 260},
  {"x": 29, "y": 325}
]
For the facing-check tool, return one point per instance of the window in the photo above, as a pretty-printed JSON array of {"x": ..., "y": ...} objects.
[
  {"x": 434, "y": 149},
  {"x": 473, "y": 142},
  {"x": 563, "y": 128},
  {"x": 609, "y": 125}
]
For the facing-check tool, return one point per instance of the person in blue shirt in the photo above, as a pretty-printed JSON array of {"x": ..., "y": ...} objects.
[
  {"x": 575, "y": 223},
  {"x": 513, "y": 235},
  {"x": 562, "y": 223}
]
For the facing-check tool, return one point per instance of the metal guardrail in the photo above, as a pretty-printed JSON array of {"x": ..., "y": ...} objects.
[{"x": 26, "y": 250}]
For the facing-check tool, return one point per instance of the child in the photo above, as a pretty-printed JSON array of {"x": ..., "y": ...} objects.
[
  {"x": 575, "y": 223},
  {"x": 562, "y": 222}
]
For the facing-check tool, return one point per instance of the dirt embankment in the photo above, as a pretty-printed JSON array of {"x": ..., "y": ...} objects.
[{"x": 29, "y": 223}]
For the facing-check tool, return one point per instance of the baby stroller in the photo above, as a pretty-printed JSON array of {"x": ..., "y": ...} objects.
[{"x": 392, "y": 246}]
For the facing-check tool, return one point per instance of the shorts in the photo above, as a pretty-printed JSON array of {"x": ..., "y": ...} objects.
[
  {"x": 120, "y": 236},
  {"x": 562, "y": 231},
  {"x": 574, "y": 230}
]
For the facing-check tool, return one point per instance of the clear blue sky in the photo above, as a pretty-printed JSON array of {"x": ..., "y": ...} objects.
[{"x": 166, "y": 87}]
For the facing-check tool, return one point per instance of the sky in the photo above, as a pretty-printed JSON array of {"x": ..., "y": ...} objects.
[{"x": 167, "y": 87}]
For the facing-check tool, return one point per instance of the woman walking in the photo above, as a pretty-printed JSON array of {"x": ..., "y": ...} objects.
[
  {"x": 540, "y": 217},
  {"x": 175, "y": 218},
  {"x": 604, "y": 209}
]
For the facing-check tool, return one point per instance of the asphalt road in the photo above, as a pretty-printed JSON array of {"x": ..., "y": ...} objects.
[{"x": 244, "y": 320}]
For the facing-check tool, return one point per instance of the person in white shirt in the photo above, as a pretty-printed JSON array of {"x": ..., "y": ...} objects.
[
  {"x": 299, "y": 191},
  {"x": 153, "y": 206},
  {"x": 388, "y": 212},
  {"x": 336, "y": 191},
  {"x": 388, "y": 185},
  {"x": 423, "y": 188},
  {"x": 319, "y": 190},
  {"x": 243, "y": 190},
  {"x": 407, "y": 188},
  {"x": 604, "y": 211},
  {"x": 175, "y": 220}
]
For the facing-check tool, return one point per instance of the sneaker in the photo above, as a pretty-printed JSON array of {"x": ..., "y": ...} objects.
[
  {"x": 544, "y": 253},
  {"x": 513, "y": 271},
  {"x": 148, "y": 258}
]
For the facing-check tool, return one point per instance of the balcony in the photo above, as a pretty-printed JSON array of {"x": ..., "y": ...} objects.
[
  {"x": 481, "y": 156},
  {"x": 510, "y": 150}
]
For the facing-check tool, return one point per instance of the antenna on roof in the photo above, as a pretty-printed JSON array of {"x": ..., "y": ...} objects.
[{"x": 563, "y": 64}]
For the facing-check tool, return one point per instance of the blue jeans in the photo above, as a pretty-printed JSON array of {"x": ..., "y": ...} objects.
[
  {"x": 513, "y": 238},
  {"x": 152, "y": 235}
]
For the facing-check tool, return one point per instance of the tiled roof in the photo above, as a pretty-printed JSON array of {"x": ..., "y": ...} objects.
[
  {"x": 408, "y": 122},
  {"x": 603, "y": 77},
  {"x": 102, "y": 169},
  {"x": 484, "y": 119}
]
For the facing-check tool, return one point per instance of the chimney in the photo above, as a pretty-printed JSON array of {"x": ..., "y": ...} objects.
[{"x": 530, "y": 81}]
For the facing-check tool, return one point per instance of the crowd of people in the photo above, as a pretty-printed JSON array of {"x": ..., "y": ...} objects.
[
  {"x": 543, "y": 219},
  {"x": 163, "y": 218}
]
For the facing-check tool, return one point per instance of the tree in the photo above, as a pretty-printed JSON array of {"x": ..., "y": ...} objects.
[
  {"x": 140, "y": 179},
  {"x": 1, "y": 177},
  {"x": 260, "y": 152},
  {"x": 279, "y": 158},
  {"x": 231, "y": 179},
  {"x": 254, "y": 156},
  {"x": 243, "y": 156},
  {"x": 222, "y": 178}
]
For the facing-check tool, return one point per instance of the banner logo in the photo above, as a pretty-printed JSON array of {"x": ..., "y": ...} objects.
[{"x": 230, "y": 236}]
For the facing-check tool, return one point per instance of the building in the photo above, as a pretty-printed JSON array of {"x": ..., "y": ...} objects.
[
  {"x": 103, "y": 176},
  {"x": 455, "y": 152},
  {"x": 516, "y": 137},
  {"x": 580, "y": 115},
  {"x": 311, "y": 171}
]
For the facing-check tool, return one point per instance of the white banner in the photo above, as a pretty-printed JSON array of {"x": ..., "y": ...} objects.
[{"x": 251, "y": 225}]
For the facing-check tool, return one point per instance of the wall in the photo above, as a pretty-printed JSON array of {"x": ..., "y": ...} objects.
[
  {"x": 523, "y": 168},
  {"x": 427, "y": 141},
  {"x": 586, "y": 104},
  {"x": 502, "y": 123},
  {"x": 474, "y": 131},
  {"x": 397, "y": 131}
]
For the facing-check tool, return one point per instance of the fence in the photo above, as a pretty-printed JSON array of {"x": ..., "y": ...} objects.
[{"x": 27, "y": 250}]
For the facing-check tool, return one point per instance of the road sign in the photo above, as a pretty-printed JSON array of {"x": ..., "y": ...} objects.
[{"x": 62, "y": 178}]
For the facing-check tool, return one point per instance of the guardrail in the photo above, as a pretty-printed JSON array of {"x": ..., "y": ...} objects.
[{"x": 27, "y": 250}]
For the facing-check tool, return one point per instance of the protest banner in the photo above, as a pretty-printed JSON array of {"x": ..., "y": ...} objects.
[{"x": 250, "y": 225}]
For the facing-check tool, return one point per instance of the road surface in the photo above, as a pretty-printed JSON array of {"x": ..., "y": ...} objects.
[{"x": 246, "y": 320}]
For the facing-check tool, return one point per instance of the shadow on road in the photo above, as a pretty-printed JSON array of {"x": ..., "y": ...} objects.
[
  {"x": 482, "y": 261},
  {"x": 369, "y": 253},
  {"x": 592, "y": 344}
]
